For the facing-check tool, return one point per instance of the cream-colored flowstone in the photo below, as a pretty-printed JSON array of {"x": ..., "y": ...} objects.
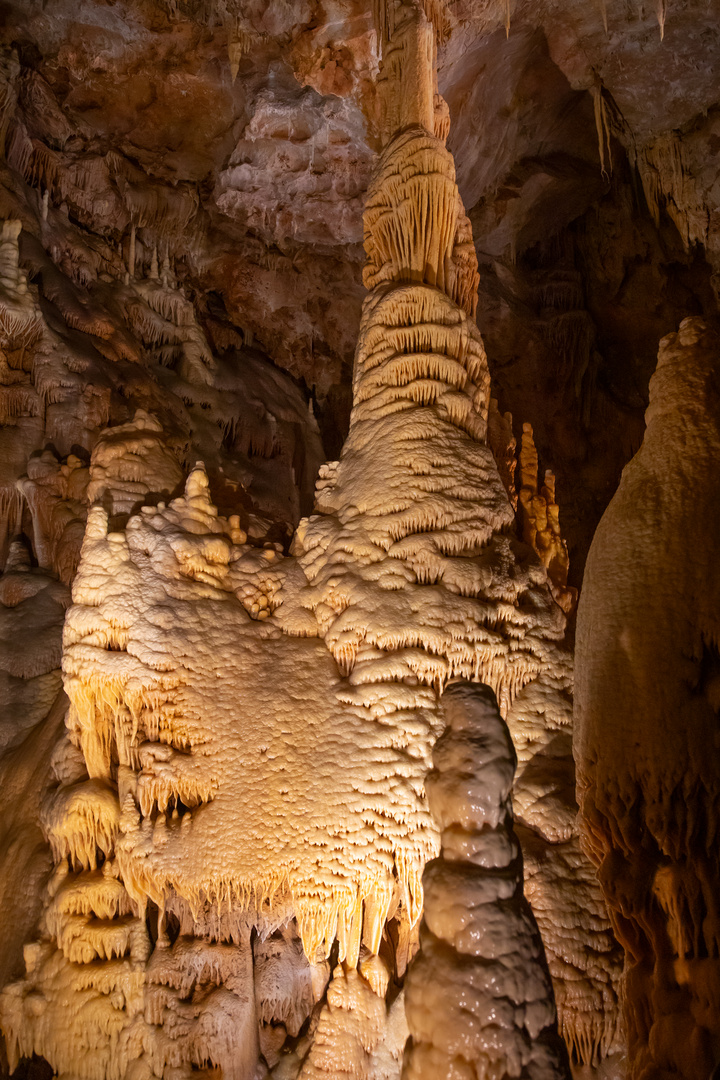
[{"x": 175, "y": 596}]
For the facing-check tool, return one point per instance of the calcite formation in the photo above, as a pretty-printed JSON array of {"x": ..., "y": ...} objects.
[
  {"x": 540, "y": 518},
  {"x": 237, "y": 807},
  {"x": 481, "y": 957},
  {"x": 647, "y": 700}
]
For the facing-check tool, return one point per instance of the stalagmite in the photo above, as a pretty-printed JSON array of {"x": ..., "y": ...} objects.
[
  {"x": 478, "y": 997},
  {"x": 581, "y": 952},
  {"x": 18, "y": 308},
  {"x": 646, "y": 715},
  {"x": 540, "y": 520},
  {"x": 348, "y": 1031}
]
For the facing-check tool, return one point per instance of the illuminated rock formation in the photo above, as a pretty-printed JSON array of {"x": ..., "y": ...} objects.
[
  {"x": 540, "y": 521},
  {"x": 19, "y": 316},
  {"x": 239, "y": 798},
  {"x": 583, "y": 956},
  {"x": 646, "y": 716},
  {"x": 478, "y": 996},
  {"x": 181, "y": 280}
]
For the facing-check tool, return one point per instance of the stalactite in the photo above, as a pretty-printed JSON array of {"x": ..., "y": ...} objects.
[
  {"x": 667, "y": 183},
  {"x": 661, "y": 8},
  {"x": 131, "y": 253},
  {"x": 603, "y": 12},
  {"x": 240, "y": 41}
]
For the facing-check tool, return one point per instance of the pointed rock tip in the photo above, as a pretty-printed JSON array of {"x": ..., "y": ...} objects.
[{"x": 197, "y": 485}]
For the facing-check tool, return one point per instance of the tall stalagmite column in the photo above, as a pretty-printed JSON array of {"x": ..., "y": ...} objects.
[
  {"x": 646, "y": 733},
  {"x": 415, "y": 569},
  {"x": 478, "y": 996}
]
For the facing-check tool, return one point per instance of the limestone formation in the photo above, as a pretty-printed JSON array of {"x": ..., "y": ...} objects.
[
  {"x": 32, "y": 608},
  {"x": 406, "y": 575},
  {"x": 481, "y": 957},
  {"x": 646, "y": 717},
  {"x": 540, "y": 518},
  {"x": 19, "y": 317},
  {"x": 240, "y": 238}
]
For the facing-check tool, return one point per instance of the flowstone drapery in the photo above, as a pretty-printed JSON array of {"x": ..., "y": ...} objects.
[{"x": 240, "y": 797}]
